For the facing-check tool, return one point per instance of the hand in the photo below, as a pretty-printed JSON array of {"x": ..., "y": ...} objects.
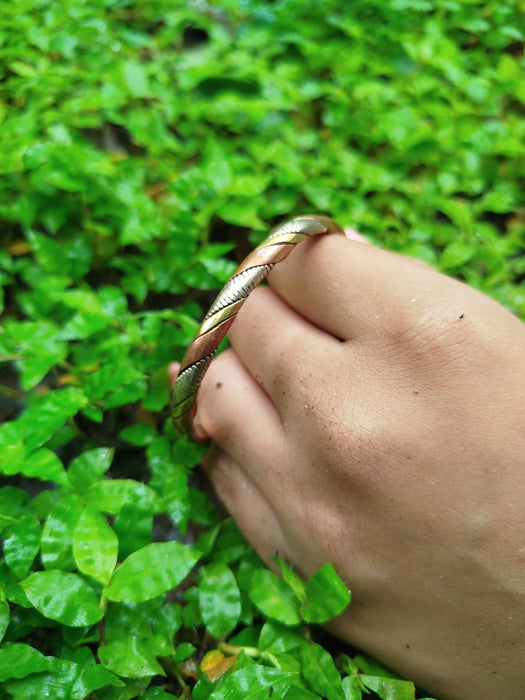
[{"x": 371, "y": 413}]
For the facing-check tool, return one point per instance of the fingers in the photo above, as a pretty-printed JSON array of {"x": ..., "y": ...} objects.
[
  {"x": 245, "y": 426},
  {"x": 348, "y": 289},
  {"x": 354, "y": 235},
  {"x": 247, "y": 505},
  {"x": 281, "y": 350},
  {"x": 288, "y": 336},
  {"x": 230, "y": 400}
]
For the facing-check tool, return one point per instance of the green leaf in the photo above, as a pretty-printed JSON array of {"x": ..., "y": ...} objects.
[
  {"x": 14, "y": 452},
  {"x": 152, "y": 571},
  {"x": 175, "y": 493},
  {"x": 130, "y": 656},
  {"x": 168, "y": 620},
  {"x": 39, "y": 348},
  {"x": 89, "y": 466},
  {"x": 152, "y": 624},
  {"x": 372, "y": 667},
  {"x": 92, "y": 679},
  {"x": 23, "y": 69},
  {"x": 456, "y": 254},
  {"x": 326, "y": 596},
  {"x": 170, "y": 479},
  {"x": 84, "y": 300},
  {"x": 116, "y": 383},
  {"x": 241, "y": 211},
  {"x": 286, "y": 662},
  {"x": 128, "y": 195},
  {"x": 63, "y": 597},
  {"x": 109, "y": 496},
  {"x": 183, "y": 651},
  {"x": 14, "y": 503},
  {"x": 57, "y": 534},
  {"x": 352, "y": 688},
  {"x": 45, "y": 465},
  {"x": 135, "y": 78},
  {"x": 56, "y": 683},
  {"x": 253, "y": 683},
  {"x": 22, "y": 544},
  {"x": 16, "y": 596},
  {"x": 296, "y": 692},
  {"x": 319, "y": 669},
  {"x": 278, "y": 639},
  {"x": 389, "y": 688},
  {"x": 4, "y": 616},
  {"x": 95, "y": 545},
  {"x": 219, "y": 599},
  {"x": 156, "y": 694},
  {"x": 134, "y": 525},
  {"x": 82, "y": 325},
  {"x": 17, "y": 459},
  {"x": 274, "y": 597},
  {"x": 20, "y": 660},
  {"x": 45, "y": 414},
  {"x": 34, "y": 369},
  {"x": 292, "y": 579},
  {"x": 139, "y": 434},
  {"x": 5, "y": 521}
]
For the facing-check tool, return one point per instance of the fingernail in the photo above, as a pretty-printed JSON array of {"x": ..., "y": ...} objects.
[
  {"x": 354, "y": 235},
  {"x": 173, "y": 370}
]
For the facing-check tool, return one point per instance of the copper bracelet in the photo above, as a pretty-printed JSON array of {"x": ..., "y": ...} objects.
[{"x": 276, "y": 247}]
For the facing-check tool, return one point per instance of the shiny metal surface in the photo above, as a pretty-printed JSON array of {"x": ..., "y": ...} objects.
[{"x": 253, "y": 270}]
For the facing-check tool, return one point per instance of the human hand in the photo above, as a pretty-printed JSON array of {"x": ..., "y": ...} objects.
[{"x": 370, "y": 413}]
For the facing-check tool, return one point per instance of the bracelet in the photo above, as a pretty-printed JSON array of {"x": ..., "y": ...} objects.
[{"x": 253, "y": 270}]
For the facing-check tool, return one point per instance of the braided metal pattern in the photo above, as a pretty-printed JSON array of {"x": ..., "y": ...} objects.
[{"x": 276, "y": 247}]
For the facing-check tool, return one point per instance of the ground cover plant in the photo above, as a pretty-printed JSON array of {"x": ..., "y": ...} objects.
[{"x": 144, "y": 147}]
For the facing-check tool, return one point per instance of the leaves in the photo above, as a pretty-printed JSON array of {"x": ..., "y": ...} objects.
[
  {"x": 20, "y": 660},
  {"x": 40, "y": 420},
  {"x": 95, "y": 545},
  {"x": 219, "y": 599},
  {"x": 89, "y": 466},
  {"x": 319, "y": 669},
  {"x": 274, "y": 598},
  {"x": 389, "y": 689},
  {"x": 278, "y": 638},
  {"x": 291, "y": 600},
  {"x": 151, "y": 571},
  {"x": 132, "y": 168},
  {"x": 92, "y": 679},
  {"x": 22, "y": 544},
  {"x": 4, "y": 615},
  {"x": 326, "y": 596},
  {"x": 254, "y": 682},
  {"x": 57, "y": 682},
  {"x": 64, "y": 597},
  {"x": 130, "y": 657},
  {"x": 111, "y": 496},
  {"x": 57, "y": 534}
]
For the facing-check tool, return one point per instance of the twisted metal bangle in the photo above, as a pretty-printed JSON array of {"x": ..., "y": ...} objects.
[{"x": 276, "y": 247}]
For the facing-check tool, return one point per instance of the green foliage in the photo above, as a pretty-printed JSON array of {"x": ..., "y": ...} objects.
[
  {"x": 219, "y": 599},
  {"x": 138, "y": 143}
]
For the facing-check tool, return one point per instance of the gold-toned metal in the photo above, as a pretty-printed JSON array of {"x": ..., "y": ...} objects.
[{"x": 253, "y": 270}]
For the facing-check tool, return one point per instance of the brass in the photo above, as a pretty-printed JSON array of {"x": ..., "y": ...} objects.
[{"x": 253, "y": 270}]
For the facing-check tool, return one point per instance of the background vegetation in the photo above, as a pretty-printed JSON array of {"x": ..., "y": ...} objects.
[{"x": 144, "y": 147}]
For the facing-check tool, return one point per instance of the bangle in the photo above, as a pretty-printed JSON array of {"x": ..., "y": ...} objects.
[{"x": 253, "y": 270}]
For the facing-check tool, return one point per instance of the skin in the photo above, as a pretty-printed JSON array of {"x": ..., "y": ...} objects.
[{"x": 370, "y": 413}]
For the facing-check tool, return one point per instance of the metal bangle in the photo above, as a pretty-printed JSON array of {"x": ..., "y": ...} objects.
[{"x": 276, "y": 247}]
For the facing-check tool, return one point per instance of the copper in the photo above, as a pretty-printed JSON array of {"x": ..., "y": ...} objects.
[{"x": 253, "y": 270}]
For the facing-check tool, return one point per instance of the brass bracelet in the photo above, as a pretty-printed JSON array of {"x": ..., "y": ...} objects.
[{"x": 276, "y": 247}]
